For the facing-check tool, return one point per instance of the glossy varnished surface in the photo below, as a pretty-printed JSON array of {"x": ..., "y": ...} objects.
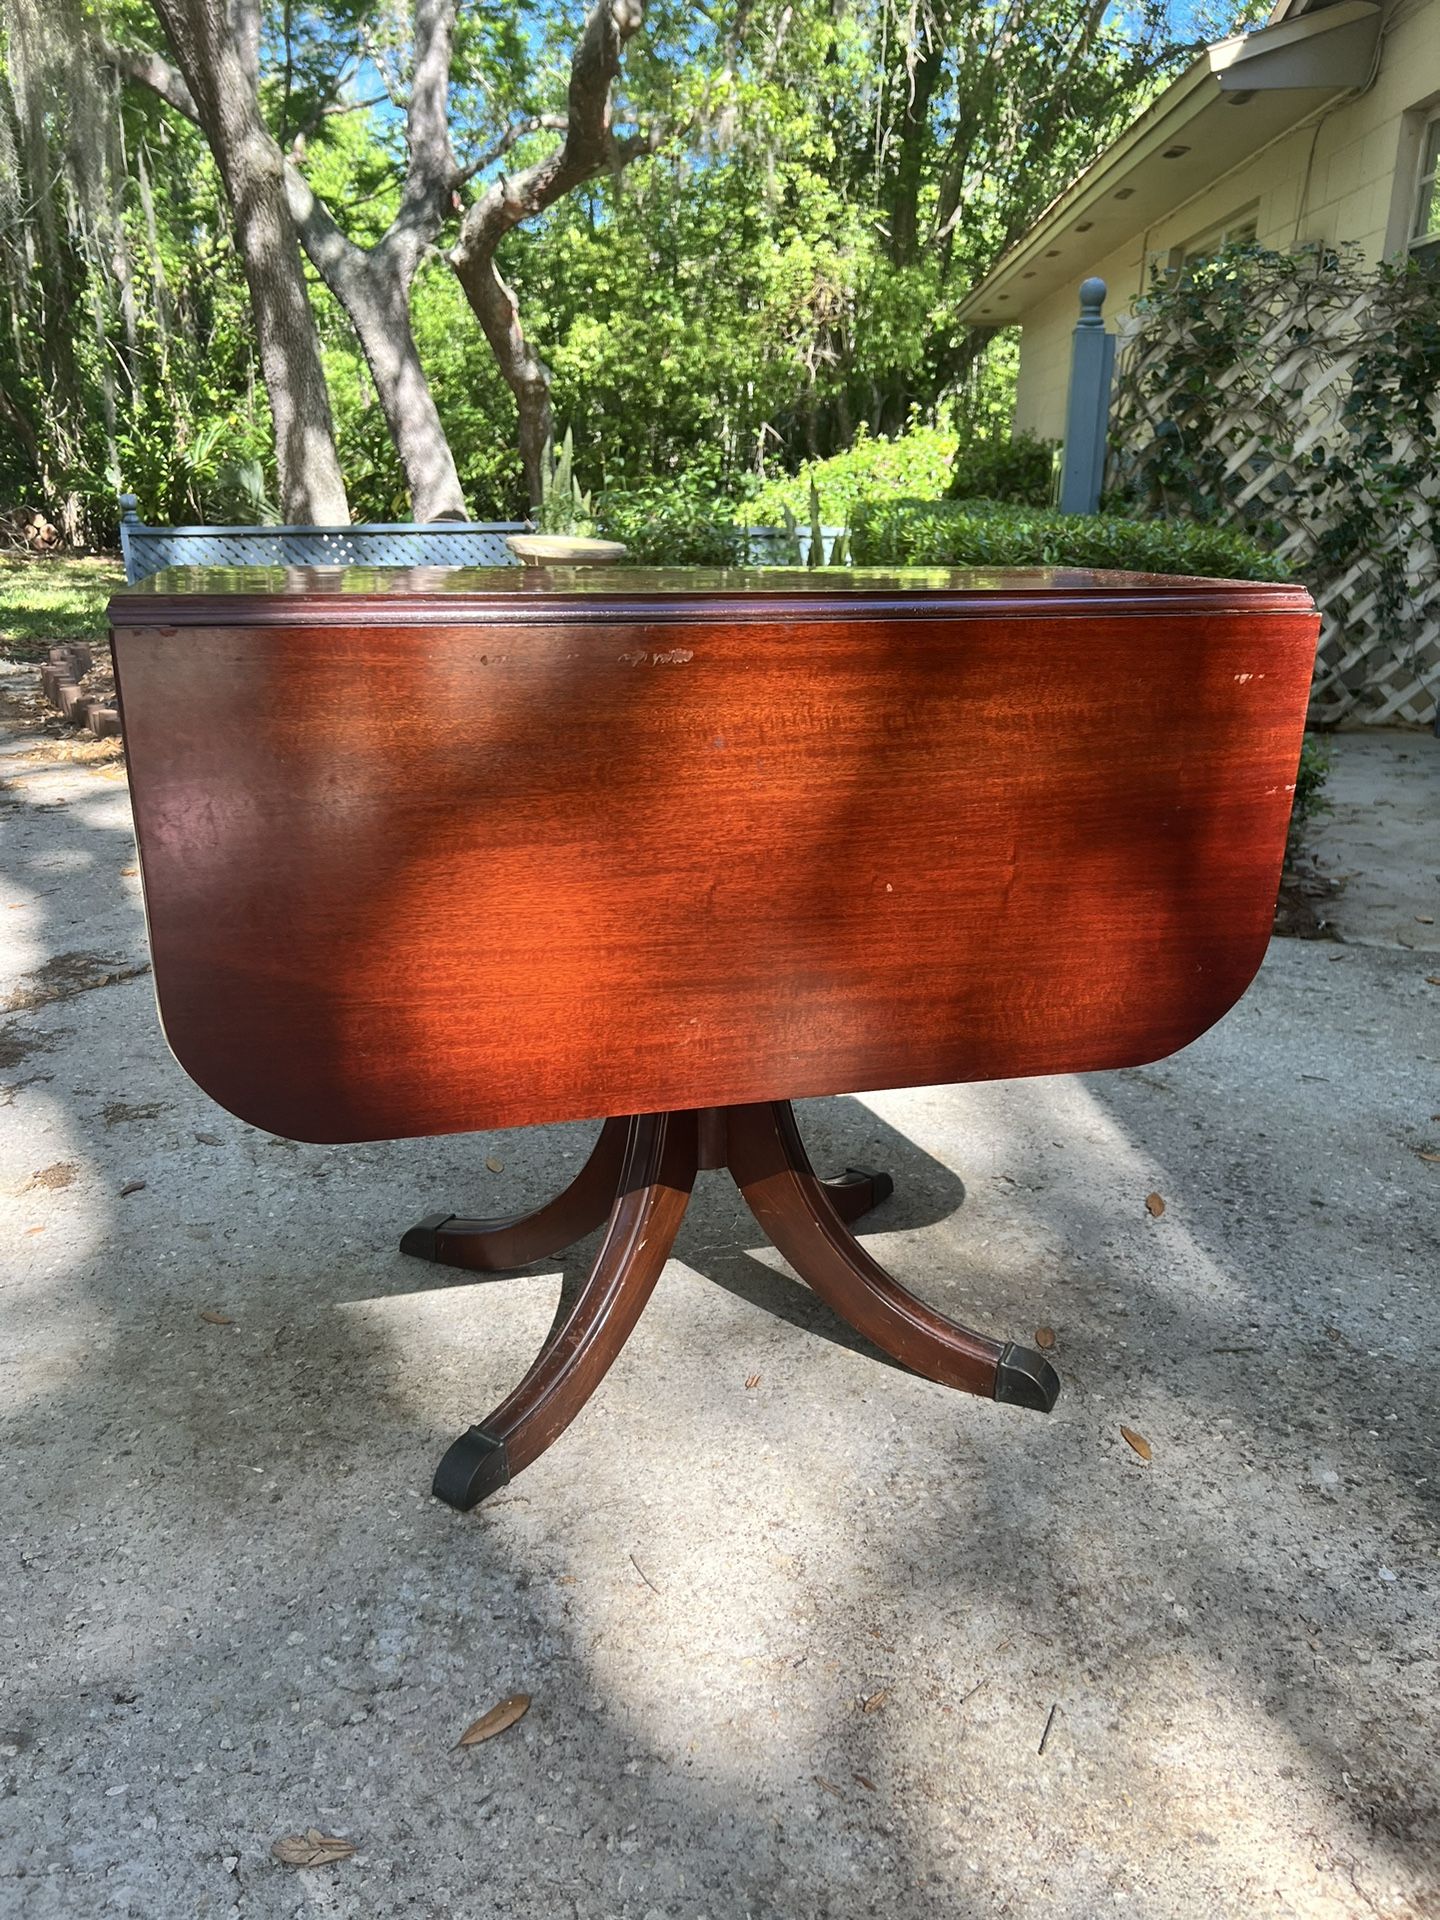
[
  {"x": 201, "y": 596},
  {"x": 516, "y": 850}
]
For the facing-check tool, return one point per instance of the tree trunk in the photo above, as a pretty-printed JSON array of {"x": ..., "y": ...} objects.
[
  {"x": 526, "y": 374},
  {"x": 374, "y": 289},
  {"x": 380, "y": 316},
  {"x": 215, "y": 54},
  {"x": 588, "y": 149},
  {"x": 373, "y": 284},
  {"x": 915, "y": 139}
]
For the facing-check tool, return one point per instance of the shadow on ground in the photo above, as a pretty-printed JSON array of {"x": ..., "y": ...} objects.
[{"x": 793, "y": 1648}]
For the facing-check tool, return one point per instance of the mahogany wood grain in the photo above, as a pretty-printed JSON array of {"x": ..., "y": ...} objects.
[
  {"x": 779, "y": 1185},
  {"x": 762, "y": 1149},
  {"x": 427, "y": 858},
  {"x": 499, "y": 1246},
  {"x": 654, "y": 1188}
]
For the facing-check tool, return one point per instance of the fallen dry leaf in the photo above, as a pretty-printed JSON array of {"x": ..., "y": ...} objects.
[
  {"x": 1434, "y": 1158},
  {"x": 829, "y": 1786},
  {"x": 311, "y": 1849},
  {"x": 875, "y": 1701},
  {"x": 127, "y": 873},
  {"x": 34, "y": 1230},
  {"x": 752, "y": 1381},
  {"x": 62, "y": 1174},
  {"x": 1432, "y": 979},
  {"x": 869, "y": 1785},
  {"x": 132, "y": 1186},
  {"x": 216, "y": 1318},
  {"x": 208, "y": 1139},
  {"x": 1044, "y": 1336},
  {"x": 495, "y": 1166},
  {"x": 496, "y": 1720},
  {"x": 1137, "y": 1441},
  {"x": 1154, "y": 1205}
]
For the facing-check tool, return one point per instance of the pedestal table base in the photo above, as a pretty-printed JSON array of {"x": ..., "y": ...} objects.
[{"x": 637, "y": 1182}]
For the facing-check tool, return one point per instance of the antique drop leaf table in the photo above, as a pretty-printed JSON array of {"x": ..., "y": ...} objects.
[{"x": 436, "y": 851}]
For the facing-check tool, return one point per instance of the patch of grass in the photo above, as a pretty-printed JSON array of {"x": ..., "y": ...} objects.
[{"x": 46, "y": 599}]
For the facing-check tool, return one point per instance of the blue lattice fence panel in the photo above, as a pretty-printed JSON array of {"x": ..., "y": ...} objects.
[{"x": 443, "y": 543}]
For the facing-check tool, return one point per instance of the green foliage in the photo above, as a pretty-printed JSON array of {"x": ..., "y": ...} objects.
[
  {"x": 915, "y": 465},
  {"x": 671, "y": 523},
  {"x": 565, "y": 507},
  {"x": 992, "y": 534},
  {"x": 47, "y": 599},
  {"x": 1353, "y": 495},
  {"x": 774, "y": 287},
  {"x": 1020, "y": 470},
  {"x": 128, "y": 354},
  {"x": 1310, "y": 782}
]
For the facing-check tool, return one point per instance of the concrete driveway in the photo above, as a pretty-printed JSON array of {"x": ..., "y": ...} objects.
[{"x": 793, "y": 1646}]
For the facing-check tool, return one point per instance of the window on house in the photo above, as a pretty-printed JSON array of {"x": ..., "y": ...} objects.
[
  {"x": 1238, "y": 231},
  {"x": 1425, "y": 223}
]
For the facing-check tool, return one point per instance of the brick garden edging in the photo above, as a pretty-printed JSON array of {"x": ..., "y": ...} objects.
[{"x": 62, "y": 683}]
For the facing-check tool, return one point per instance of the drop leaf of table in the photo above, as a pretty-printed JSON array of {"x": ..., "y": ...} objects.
[{"x": 436, "y": 851}]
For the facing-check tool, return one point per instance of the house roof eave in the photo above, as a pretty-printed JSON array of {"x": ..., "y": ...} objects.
[{"x": 1189, "y": 137}]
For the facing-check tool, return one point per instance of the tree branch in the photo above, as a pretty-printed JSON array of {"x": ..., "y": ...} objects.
[
  {"x": 334, "y": 256},
  {"x": 587, "y": 150},
  {"x": 328, "y": 103},
  {"x": 537, "y": 123},
  {"x": 151, "y": 71},
  {"x": 430, "y": 171}
]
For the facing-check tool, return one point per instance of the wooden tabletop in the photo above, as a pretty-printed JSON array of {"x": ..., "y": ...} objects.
[
  {"x": 298, "y": 595},
  {"x": 437, "y": 851}
]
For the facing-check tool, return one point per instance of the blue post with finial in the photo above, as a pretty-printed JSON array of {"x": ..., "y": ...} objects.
[
  {"x": 1087, "y": 413},
  {"x": 129, "y": 517}
]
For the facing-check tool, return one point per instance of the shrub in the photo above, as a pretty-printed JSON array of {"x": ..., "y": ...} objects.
[
  {"x": 1310, "y": 782},
  {"x": 669, "y": 524},
  {"x": 915, "y": 465},
  {"x": 989, "y": 534},
  {"x": 1018, "y": 470}
]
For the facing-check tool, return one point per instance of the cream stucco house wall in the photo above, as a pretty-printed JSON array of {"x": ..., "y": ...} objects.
[{"x": 1322, "y": 127}]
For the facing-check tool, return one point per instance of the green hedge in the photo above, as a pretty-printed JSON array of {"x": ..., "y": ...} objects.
[
  {"x": 915, "y": 465},
  {"x": 1019, "y": 470},
  {"x": 667, "y": 524},
  {"x": 970, "y": 533}
]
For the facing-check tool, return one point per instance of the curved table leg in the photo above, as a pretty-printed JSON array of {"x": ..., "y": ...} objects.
[
  {"x": 656, "y": 1176},
  {"x": 768, "y": 1161},
  {"x": 496, "y": 1246}
]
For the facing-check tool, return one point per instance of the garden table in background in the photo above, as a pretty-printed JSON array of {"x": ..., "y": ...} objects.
[{"x": 436, "y": 851}]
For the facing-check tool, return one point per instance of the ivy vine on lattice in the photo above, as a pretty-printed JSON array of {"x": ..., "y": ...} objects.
[{"x": 1298, "y": 396}]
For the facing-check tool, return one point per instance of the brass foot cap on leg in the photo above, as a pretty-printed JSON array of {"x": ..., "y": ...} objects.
[
  {"x": 476, "y": 1465},
  {"x": 420, "y": 1240},
  {"x": 1026, "y": 1378},
  {"x": 882, "y": 1186}
]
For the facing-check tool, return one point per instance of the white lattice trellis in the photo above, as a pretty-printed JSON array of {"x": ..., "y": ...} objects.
[{"x": 1262, "y": 424}]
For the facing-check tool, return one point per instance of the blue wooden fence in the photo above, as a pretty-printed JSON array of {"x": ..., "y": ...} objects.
[{"x": 438, "y": 543}]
